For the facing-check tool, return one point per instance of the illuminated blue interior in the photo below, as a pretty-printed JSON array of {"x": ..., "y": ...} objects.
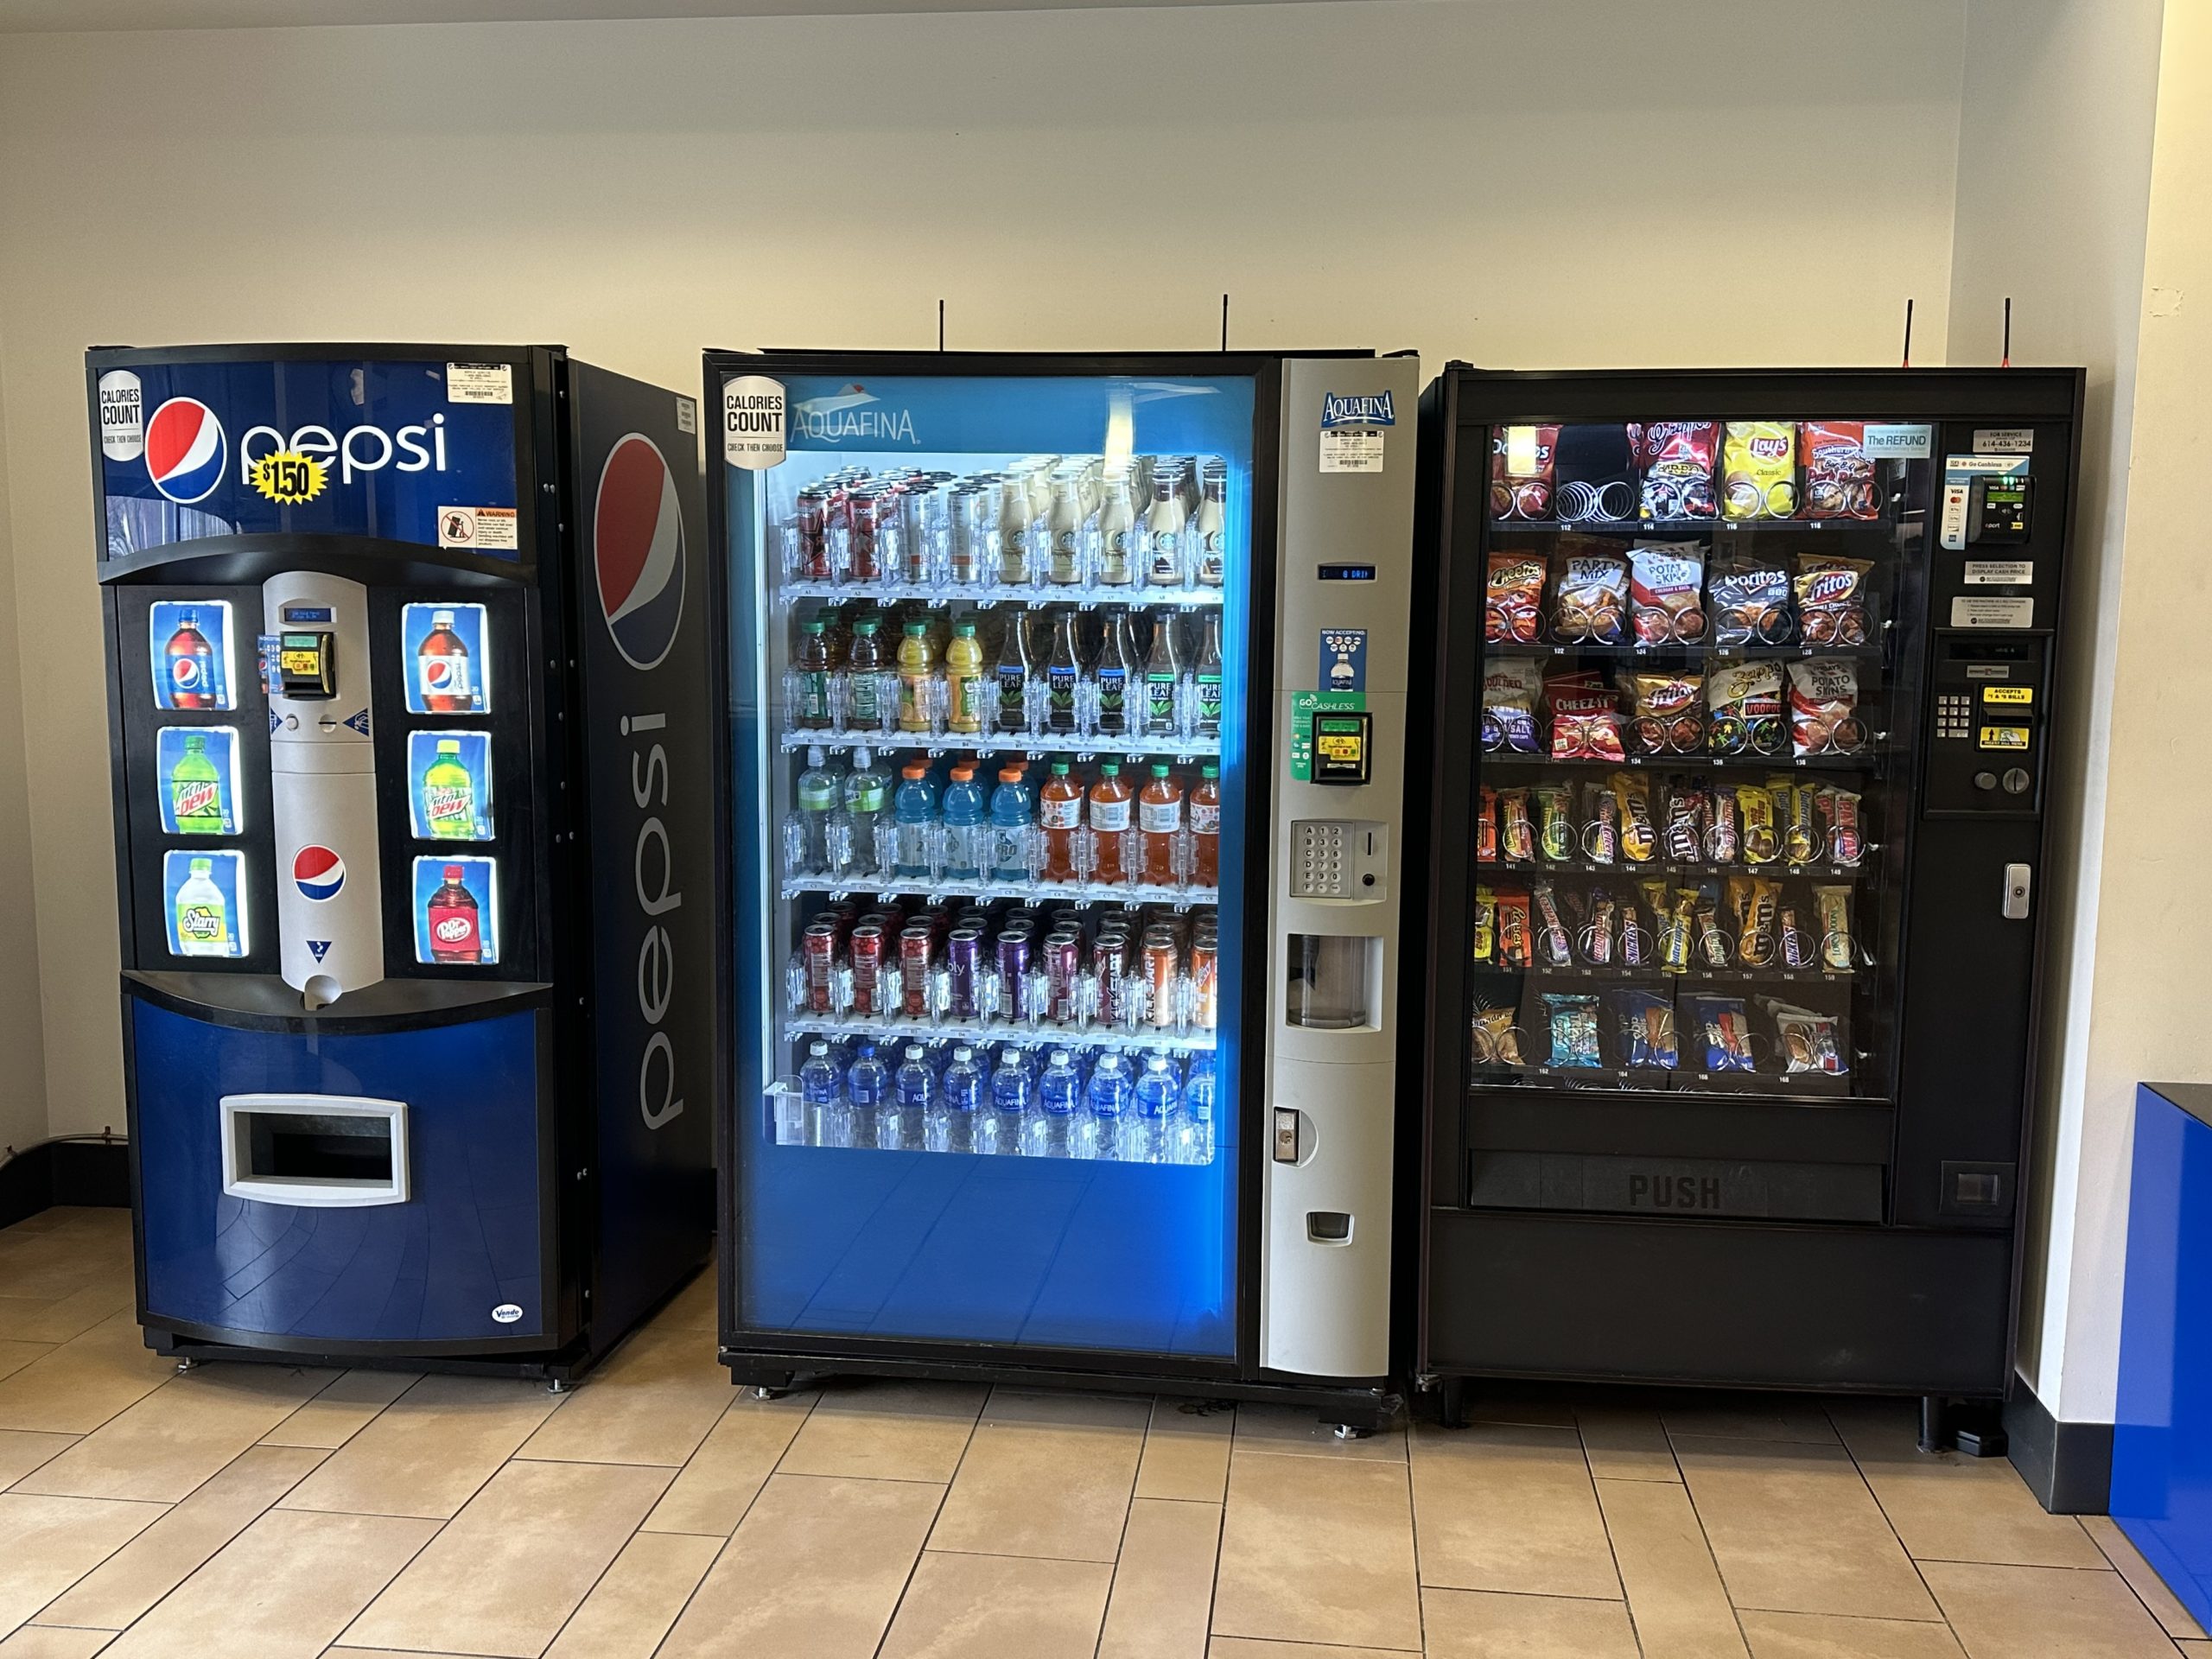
[{"x": 918, "y": 1247}]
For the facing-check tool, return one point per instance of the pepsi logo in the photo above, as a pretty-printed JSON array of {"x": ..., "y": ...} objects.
[
  {"x": 185, "y": 450},
  {"x": 318, "y": 872},
  {"x": 637, "y": 548},
  {"x": 439, "y": 673},
  {"x": 188, "y": 673}
]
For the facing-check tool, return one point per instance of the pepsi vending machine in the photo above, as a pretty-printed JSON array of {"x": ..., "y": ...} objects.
[{"x": 409, "y": 724}]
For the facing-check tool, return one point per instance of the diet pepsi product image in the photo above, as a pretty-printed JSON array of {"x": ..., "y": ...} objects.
[
  {"x": 454, "y": 914},
  {"x": 448, "y": 672},
  {"x": 192, "y": 655},
  {"x": 414, "y": 834}
]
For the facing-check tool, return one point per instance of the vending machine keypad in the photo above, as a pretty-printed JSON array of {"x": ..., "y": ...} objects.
[
  {"x": 1954, "y": 715},
  {"x": 1338, "y": 858}
]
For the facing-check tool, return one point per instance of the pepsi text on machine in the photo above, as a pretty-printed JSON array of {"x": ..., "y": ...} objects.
[{"x": 640, "y": 555}]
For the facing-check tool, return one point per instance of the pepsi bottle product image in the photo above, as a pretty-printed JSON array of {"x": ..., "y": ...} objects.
[
  {"x": 188, "y": 663},
  {"x": 441, "y": 669}
]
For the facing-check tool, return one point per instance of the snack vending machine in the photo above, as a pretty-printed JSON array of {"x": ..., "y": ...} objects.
[
  {"x": 1743, "y": 684},
  {"x": 409, "y": 741},
  {"x": 1067, "y": 721}
]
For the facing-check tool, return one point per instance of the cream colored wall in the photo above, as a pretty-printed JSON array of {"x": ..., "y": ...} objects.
[
  {"x": 23, "y": 1045},
  {"x": 1587, "y": 182},
  {"x": 2056, "y": 198}
]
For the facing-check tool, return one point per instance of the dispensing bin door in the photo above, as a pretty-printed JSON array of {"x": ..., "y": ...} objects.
[{"x": 327, "y": 1152}]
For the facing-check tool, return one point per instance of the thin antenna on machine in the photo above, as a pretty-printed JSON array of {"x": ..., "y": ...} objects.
[
  {"x": 1224, "y": 322},
  {"x": 940, "y": 325},
  {"x": 2006, "y": 361},
  {"x": 1908, "y": 334}
]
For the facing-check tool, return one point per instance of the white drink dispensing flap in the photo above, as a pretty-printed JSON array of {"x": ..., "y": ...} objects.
[{"x": 322, "y": 785}]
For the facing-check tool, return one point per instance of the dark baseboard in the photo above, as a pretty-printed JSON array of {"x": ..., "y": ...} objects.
[
  {"x": 91, "y": 1173},
  {"x": 2066, "y": 1465}
]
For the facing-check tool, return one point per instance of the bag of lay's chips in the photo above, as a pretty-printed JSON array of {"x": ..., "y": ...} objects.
[{"x": 1758, "y": 470}]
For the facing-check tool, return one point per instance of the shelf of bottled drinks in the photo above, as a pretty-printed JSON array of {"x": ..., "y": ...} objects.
[{"x": 1003, "y": 695}]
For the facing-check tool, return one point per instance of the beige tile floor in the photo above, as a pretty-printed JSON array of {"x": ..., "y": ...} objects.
[{"x": 274, "y": 1514}]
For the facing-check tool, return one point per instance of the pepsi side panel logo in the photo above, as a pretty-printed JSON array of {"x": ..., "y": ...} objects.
[
  {"x": 638, "y": 553},
  {"x": 641, "y": 604},
  {"x": 391, "y": 450}
]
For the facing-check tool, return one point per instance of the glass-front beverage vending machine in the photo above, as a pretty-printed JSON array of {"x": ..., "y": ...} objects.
[
  {"x": 1066, "y": 722},
  {"x": 1741, "y": 714},
  {"x": 409, "y": 747}
]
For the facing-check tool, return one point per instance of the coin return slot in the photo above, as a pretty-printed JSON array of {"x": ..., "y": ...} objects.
[
  {"x": 1328, "y": 1227},
  {"x": 314, "y": 1151}
]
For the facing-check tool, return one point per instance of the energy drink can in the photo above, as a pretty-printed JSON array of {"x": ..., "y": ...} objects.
[{"x": 963, "y": 954}]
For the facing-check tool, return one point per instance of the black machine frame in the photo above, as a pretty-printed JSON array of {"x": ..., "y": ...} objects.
[
  {"x": 1922, "y": 1300},
  {"x": 771, "y": 1361}
]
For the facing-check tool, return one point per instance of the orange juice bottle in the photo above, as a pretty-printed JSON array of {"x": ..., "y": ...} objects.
[
  {"x": 1109, "y": 821},
  {"x": 1060, "y": 810},
  {"x": 1159, "y": 815}
]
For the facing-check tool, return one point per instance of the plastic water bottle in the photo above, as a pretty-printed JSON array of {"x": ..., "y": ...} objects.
[
  {"x": 1051, "y": 1132},
  {"x": 819, "y": 797},
  {"x": 867, "y": 792},
  {"x": 867, "y": 1090},
  {"x": 966, "y": 813},
  {"x": 1109, "y": 1104},
  {"x": 1152, "y": 1131},
  {"x": 899, "y": 1126},
  {"x": 1010, "y": 817},
  {"x": 1009, "y": 1102},
  {"x": 823, "y": 1106},
  {"x": 1194, "y": 1136},
  {"x": 914, "y": 810},
  {"x": 960, "y": 1107}
]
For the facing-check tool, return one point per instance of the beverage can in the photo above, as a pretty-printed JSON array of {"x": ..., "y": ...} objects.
[
  {"x": 812, "y": 524},
  {"x": 1206, "y": 980},
  {"x": 866, "y": 513},
  {"x": 818, "y": 954},
  {"x": 964, "y": 955},
  {"x": 1158, "y": 968},
  {"x": 917, "y": 945},
  {"x": 1063, "y": 967},
  {"x": 1013, "y": 953},
  {"x": 867, "y": 949}
]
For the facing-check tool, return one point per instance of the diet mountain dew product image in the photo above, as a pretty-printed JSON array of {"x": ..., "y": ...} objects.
[
  {"x": 453, "y": 794},
  {"x": 203, "y": 915}
]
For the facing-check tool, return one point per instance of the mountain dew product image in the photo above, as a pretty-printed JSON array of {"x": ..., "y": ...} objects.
[
  {"x": 196, "y": 791},
  {"x": 203, "y": 919},
  {"x": 450, "y": 795}
]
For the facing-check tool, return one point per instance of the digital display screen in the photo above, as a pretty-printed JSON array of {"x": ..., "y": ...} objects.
[
  {"x": 1347, "y": 573},
  {"x": 307, "y": 613}
]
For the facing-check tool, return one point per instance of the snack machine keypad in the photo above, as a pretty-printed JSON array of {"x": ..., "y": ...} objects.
[{"x": 1954, "y": 715}]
